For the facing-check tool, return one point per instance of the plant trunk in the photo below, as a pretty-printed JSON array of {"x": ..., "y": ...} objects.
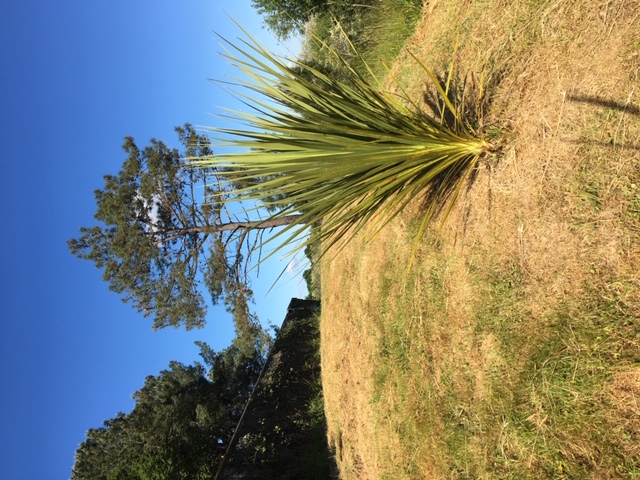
[
  {"x": 230, "y": 226},
  {"x": 249, "y": 225}
]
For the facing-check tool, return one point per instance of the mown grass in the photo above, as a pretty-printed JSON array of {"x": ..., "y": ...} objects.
[
  {"x": 510, "y": 348},
  {"x": 504, "y": 394}
]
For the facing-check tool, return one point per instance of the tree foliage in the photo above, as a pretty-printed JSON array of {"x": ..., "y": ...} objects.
[
  {"x": 287, "y": 17},
  {"x": 180, "y": 425},
  {"x": 160, "y": 245}
]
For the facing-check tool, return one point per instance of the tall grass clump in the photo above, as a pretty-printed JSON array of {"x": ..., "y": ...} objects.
[
  {"x": 377, "y": 29},
  {"x": 340, "y": 152}
]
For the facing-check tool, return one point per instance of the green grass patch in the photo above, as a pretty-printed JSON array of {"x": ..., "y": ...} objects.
[
  {"x": 539, "y": 409},
  {"x": 552, "y": 397}
]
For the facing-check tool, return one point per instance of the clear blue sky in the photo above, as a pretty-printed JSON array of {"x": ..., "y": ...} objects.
[{"x": 76, "y": 77}]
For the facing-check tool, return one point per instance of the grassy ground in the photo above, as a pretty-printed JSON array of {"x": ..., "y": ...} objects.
[{"x": 510, "y": 347}]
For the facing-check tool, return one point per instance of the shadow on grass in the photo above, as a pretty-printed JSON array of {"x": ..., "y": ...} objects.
[
  {"x": 609, "y": 144},
  {"x": 603, "y": 102}
]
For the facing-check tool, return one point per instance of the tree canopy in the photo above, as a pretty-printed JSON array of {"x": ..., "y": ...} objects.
[
  {"x": 161, "y": 245},
  {"x": 287, "y": 17},
  {"x": 181, "y": 423}
]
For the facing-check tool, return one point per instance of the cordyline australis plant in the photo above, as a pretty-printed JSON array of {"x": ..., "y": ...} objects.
[{"x": 342, "y": 153}]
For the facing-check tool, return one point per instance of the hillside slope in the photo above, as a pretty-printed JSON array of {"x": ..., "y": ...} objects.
[{"x": 510, "y": 347}]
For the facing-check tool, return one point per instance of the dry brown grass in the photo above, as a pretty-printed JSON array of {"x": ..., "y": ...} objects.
[{"x": 510, "y": 347}]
